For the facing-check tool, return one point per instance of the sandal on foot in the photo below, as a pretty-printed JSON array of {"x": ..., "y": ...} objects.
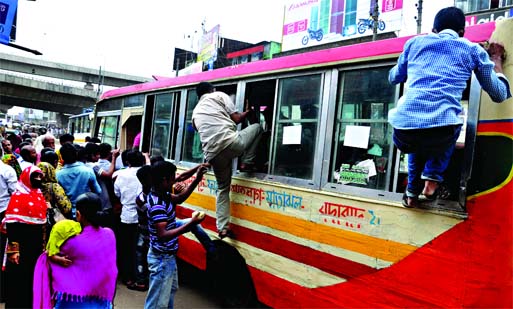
[
  {"x": 413, "y": 201},
  {"x": 138, "y": 287},
  {"x": 226, "y": 233}
]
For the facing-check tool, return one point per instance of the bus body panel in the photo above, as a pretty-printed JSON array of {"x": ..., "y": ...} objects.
[{"x": 316, "y": 248}]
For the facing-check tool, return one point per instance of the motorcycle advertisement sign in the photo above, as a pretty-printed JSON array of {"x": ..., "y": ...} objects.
[{"x": 314, "y": 22}]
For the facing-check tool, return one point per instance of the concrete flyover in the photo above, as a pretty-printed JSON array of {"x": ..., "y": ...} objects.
[
  {"x": 38, "y": 67},
  {"x": 25, "y": 91},
  {"x": 30, "y": 93}
]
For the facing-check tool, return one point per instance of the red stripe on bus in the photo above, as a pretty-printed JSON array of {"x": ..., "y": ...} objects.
[
  {"x": 499, "y": 126},
  {"x": 326, "y": 262}
]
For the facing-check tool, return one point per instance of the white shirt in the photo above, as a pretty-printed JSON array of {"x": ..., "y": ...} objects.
[
  {"x": 8, "y": 182},
  {"x": 127, "y": 187},
  {"x": 212, "y": 118},
  {"x": 24, "y": 164}
]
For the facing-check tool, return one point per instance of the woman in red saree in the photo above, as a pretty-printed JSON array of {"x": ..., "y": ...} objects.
[{"x": 24, "y": 221}]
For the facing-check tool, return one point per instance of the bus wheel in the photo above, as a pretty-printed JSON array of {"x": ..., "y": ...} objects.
[{"x": 230, "y": 276}]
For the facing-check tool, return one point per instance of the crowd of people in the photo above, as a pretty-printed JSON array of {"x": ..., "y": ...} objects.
[{"x": 72, "y": 217}]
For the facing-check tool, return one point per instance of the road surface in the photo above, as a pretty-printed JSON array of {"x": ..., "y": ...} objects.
[{"x": 194, "y": 292}]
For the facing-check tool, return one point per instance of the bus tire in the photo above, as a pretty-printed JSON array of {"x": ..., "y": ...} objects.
[{"x": 230, "y": 277}]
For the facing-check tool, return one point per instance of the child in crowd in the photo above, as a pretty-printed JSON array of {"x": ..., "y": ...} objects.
[
  {"x": 144, "y": 176},
  {"x": 61, "y": 231},
  {"x": 164, "y": 232}
]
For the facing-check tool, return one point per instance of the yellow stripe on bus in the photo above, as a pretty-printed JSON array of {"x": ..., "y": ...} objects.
[
  {"x": 387, "y": 250},
  {"x": 279, "y": 266}
]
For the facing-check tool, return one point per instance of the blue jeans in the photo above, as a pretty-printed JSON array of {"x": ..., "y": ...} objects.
[
  {"x": 429, "y": 153},
  {"x": 163, "y": 280},
  {"x": 198, "y": 231},
  {"x": 143, "y": 244}
]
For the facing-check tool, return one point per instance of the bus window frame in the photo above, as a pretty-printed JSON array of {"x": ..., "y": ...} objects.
[
  {"x": 330, "y": 114},
  {"x": 314, "y": 182},
  {"x": 181, "y": 125},
  {"x": 115, "y": 113},
  {"x": 170, "y": 121},
  {"x": 474, "y": 105}
]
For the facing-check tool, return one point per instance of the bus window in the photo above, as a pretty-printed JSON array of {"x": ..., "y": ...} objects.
[
  {"x": 362, "y": 148},
  {"x": 108, "y": 130},
  {"x": 260, "y": 97},
  {"x": 160, "y": 141},
  {"x": 192, "y": 151},
  {"x": 295, "y": 133}
]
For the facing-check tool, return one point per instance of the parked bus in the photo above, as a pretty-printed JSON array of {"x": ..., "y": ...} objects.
[
  {"x": 321, "y": 223},
  {"x": 80, "y": 126}
]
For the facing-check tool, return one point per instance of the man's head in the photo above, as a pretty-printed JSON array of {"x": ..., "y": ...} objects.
[
  {"x": 66, "y": 138},
  {"x": 48, "y": 141},
  {"x": 203, "y": 88},
  {"x": 144, "y": 176},
  {"x": 68, "y": 153},
  {"x": 48, "y": 155},
  {"x": 135, "y": 158},
  {"x": 7, "y": 146},
  {"x": 450, "y": 18},
  {"x": 105, "y": 151},
  {"x": 92, "y": 152},
  {"x": 29, "y": 154}
]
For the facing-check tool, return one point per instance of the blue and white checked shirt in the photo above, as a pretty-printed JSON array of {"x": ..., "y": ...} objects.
[{"x": 436, "y": 68}]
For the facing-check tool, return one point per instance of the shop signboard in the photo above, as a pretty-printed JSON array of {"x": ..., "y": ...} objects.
[
  {"x": 208, "y": 45},
  {"x": 487, "y": 17},
  {"x": 315, "y": 22}
]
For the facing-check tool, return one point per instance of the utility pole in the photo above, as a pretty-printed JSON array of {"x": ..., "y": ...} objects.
[
  {"x": 375, "y": 19},
  {"x": 419, "y": 16}
]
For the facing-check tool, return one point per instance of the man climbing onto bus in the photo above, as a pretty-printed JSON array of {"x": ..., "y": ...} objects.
[
  {"x": 215, "y": 118},
  {"x": 436, "y": 68}
]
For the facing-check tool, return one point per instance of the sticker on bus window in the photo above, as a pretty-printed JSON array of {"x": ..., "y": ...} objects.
[
  {"x": 357, "y": 136},
  {"x": 292, "y": 135},
  {"x": 354, "y": 174}
]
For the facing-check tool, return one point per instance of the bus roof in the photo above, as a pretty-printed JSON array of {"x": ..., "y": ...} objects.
[{"x": 376, "y": 49}]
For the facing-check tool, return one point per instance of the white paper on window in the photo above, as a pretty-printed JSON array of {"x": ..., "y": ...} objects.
[
  {"x": 357, "y": 136},
  {"x": 292, "y": 135}
]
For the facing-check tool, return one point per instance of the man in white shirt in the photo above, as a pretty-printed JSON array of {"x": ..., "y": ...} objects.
[
  {"x": 215, "y": 118},
  {"x": 127, "y": 187}
]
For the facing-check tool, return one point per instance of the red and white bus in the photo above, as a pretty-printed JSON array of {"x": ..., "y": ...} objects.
[{"x": 321, "y": 224}]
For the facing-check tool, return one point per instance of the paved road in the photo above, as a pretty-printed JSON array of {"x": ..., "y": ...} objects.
[{"x": 193, "y": 292}]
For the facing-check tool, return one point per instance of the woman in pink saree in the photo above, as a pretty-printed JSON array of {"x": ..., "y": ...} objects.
[{"x": 89, "y": 279}]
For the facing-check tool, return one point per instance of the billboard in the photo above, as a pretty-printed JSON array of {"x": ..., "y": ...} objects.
[
  {"x": 496, "y": 15},
  {"x": 7, "y": 15},
  {"x": 208, "y": 46},
  {"x": 315, "y": 22}
]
